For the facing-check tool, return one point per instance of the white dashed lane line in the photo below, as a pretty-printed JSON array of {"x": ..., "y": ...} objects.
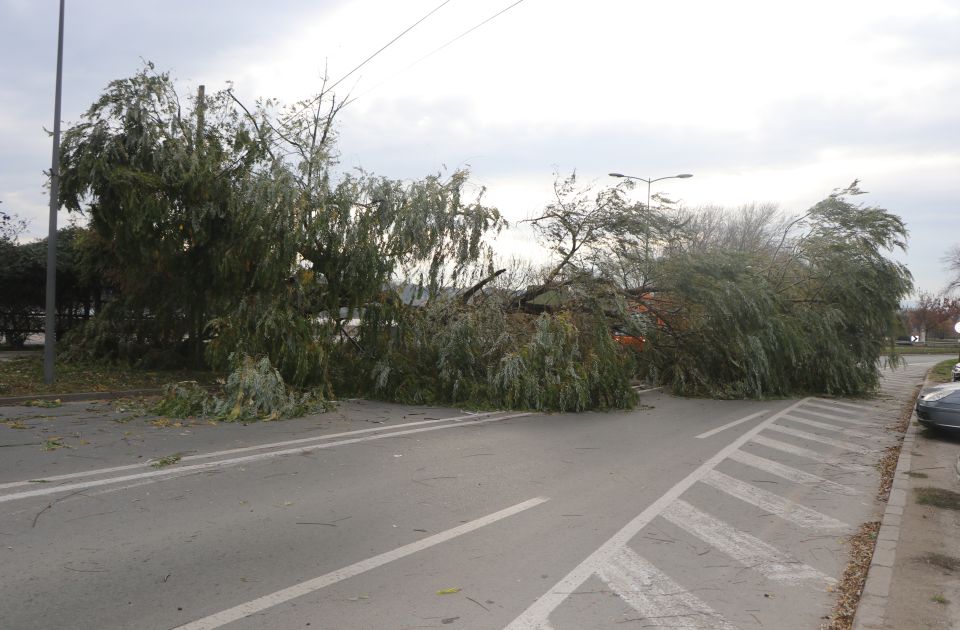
[{"x": 273, "y": 599}]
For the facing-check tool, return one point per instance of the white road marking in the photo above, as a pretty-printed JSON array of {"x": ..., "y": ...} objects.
[
  {"x": 240, "y": 460},
  {"x": 731, "y": 424},
  {"x": 832, "y": 427},
  {"x": 245, "y": 449},
  {"x": 746, "y": 549},
  {"x": 836, "y": 418},
  {"x": 863, "y": 408},
  {"x": 791, "y": 474},
  {"x": 773, "y": 503},
  {"x": 268, "y": 601},
  {"x": 655, "y": 596},
  {"x": 807, "y": 453},
  {"x": 813, "y": 437},
  {"x": 539, "y": 611}
]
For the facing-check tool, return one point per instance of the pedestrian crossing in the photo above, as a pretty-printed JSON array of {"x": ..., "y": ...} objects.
[{"x": 769, "y": 517}]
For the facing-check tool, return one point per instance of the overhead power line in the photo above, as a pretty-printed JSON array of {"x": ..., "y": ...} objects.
[
  {"x": 388, "y": 44},
  {"x": 367, "y": 60},
  {"x": 439, "y": 48},
  {"x": 465, "y": 33}
]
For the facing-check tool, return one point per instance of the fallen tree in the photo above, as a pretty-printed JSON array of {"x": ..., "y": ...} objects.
[{"x": 222, "y": 231}]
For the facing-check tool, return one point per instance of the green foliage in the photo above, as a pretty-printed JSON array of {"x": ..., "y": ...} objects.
[
  {"x": 23, "y": 276},
  {"x": 560, "y": 368},
  {"x": 808, "y": 307},
  {"x": 221, "y": 232},
  {"x": 169, "y": 196},
  {"x": 11, "y": 227},
  {"x": 272, "y": 328},
  {"x": 481, "y": 356},
  {"x": 183, "y": 400},
  {"x": 942, "y": 372},
  {"x": 254, "y": 390}
]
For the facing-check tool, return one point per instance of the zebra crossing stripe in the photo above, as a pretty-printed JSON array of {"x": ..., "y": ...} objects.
[
  {"x": 655, "y": 596},
  {"x": 806, "y": 453},
  {"x": 537, "y": 613},
  {"x": 831, "y": 427},
  {"x": 835, "y": 418},
  {"x": 791, "y": 474},
  {"x": 746, "y": 549},
  {"x": 813, "y": 437},
  {"x": 773, "y": 503},
  {"x": 862, "y": 408}
]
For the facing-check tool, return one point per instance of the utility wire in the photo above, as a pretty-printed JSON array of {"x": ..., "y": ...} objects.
[
  {"x": 370, "y": 58},
  {"x": 388, "y": 44},
  {"x": 438, "y": 49},
  {"x": 465, "y": 33}
]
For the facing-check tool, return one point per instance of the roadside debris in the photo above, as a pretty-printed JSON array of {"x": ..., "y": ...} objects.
[
  {"x": 854, "y": 577},
  {"x": 167, "y": 460}
]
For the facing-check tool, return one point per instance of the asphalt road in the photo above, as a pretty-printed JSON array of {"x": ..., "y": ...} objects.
[{"x": 389, "y": 517}]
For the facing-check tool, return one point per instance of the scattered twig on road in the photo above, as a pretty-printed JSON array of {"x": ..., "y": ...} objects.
[
  {"x": 330, "y": 524},
  {"x": 77, "y": 518},
  {"x": 85, "y": 570},
  {"x": 478, "y": 604},
  {"x": 51, "y": 504}
]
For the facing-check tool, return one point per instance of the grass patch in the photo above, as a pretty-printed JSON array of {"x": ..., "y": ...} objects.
[
  {"x": 53, "y": 444},
  {"x": 941, "y": 560},
  {"x": 43, "y": 404},
  {"x": 24, "y": 377},
  {"x": 925, "y": 350},
  {"x": 167, "y": 460},
  {"x": 938, "y": 497},
  {"x": 942, "y": 372},
  {"x": 939, "y": 599}
]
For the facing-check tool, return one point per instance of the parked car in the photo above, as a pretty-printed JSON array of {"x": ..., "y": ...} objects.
[
  {"x": 956, "y": 372},
  {"x": 939, "y": 407}
]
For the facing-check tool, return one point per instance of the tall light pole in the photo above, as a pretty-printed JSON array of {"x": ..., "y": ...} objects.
[
  {"x": 50, "y": 325},
  {"x": 646, "y": 244},
  {"x": 956, "y": 327}
]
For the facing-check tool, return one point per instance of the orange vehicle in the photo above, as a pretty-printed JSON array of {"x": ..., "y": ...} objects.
[
  {"x": 629, "y": 340},
  {"x": 636, "y": 307}
]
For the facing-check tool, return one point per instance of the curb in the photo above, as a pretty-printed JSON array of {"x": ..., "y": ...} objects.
[
  {"x": 19, "y": 400},
  {"x": 871, "y": 611}
]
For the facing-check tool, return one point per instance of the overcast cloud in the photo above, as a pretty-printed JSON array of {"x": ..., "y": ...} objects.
[{"x": 762, "y": 101}]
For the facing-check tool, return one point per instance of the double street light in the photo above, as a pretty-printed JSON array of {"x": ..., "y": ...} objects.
[{"x": 649, "y": 182}]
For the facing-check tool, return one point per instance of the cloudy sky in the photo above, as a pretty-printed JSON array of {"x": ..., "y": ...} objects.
[{"x": 762, "y": 101}]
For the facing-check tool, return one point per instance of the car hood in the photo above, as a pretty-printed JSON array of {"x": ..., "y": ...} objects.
[{"x": 949, "y": 387}]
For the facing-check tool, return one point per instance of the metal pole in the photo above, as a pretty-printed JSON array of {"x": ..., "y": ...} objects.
[
  {"x": 646, "y": 236},
  {"x": 50, "y": 328}
]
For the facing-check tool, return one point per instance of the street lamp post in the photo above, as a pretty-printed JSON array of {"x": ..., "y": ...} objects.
[
  {"x": 646, "y": 244},
  {"x": 50, "y": 326},
  {"x": 956, "y": 327}
]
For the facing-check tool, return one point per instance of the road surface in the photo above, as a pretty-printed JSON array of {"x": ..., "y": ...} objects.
[{"x": 681, "y": 513}]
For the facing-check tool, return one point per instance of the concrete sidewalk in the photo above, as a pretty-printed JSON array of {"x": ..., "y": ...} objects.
[{"x": 914, "y": 578}]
